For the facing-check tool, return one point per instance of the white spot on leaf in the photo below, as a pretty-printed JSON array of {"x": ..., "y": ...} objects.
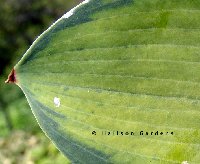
[
  {"x": 70, "y": 13},
  {"x": 184, "y": 162},
  {"x": 56, "y": 101}
]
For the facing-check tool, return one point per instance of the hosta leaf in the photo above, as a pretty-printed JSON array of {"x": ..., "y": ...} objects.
[{"x": 108, "y": 70}]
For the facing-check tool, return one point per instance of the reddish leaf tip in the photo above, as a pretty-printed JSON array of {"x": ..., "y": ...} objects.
[{"x": 11, "y": 77}]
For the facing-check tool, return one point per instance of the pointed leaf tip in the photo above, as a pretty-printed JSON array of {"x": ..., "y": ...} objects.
[{"x": 11, "y": 77}]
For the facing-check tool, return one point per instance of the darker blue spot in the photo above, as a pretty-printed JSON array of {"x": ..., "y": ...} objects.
[{"x": 80, "y": 16}]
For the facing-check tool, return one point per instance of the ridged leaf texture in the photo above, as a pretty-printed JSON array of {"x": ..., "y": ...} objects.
[{"x": 108, "y": 70}]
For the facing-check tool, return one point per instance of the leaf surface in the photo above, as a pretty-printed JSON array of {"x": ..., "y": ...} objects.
[{"x": 118, "y": 82}]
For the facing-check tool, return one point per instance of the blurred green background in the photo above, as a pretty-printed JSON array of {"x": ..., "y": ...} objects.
[{"x": 21, "y": 139}]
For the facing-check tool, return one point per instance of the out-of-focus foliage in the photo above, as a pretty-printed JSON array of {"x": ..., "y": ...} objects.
[
  {"x": 21, "y": 22},
  {"x": 23, "y": 148}
]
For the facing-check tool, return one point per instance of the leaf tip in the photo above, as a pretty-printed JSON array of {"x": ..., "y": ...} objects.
[{"x": 11, "y": 77}]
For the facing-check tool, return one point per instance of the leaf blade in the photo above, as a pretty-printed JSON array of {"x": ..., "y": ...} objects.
[{"x": 118, "y": 76}]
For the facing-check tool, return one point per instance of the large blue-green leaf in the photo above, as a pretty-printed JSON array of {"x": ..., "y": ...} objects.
[{"x": 117, "y": 81}]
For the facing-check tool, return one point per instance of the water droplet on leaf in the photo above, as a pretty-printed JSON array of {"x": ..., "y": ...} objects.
[{"x": 56, "y": 101}]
